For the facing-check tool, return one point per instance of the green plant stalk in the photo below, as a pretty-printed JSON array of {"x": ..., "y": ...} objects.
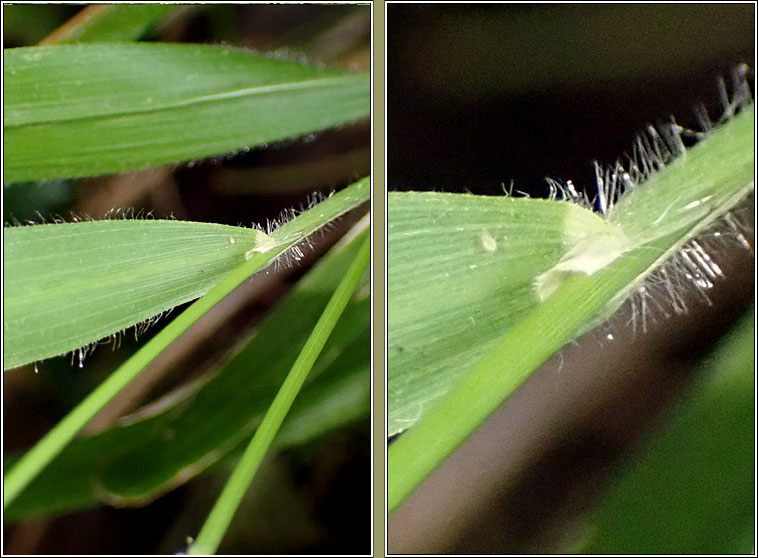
[
  {"x": 726, "y": 159},
  {"x": 37, "y": 458},
  {"x": 223, "y": 511},
  {"x": 117, "y": 22}
]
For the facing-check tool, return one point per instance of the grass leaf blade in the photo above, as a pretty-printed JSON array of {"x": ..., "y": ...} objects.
[
  {"x": 36, "y": 459},
  {"x": 100, "y": 108},
  {"x": 71, "y": 284}
]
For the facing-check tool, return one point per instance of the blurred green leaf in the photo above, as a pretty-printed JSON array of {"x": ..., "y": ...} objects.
[
  {"x": 115, "y": 22},
  {"x": 26, "y": 24},
  {"x": 691, "y": 489},
  {"x": 26, "y": 201},
  {"x": 90, "y": 109}
]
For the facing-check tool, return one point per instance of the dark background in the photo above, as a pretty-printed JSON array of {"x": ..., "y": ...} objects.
[{"x": 480, "y": 95}]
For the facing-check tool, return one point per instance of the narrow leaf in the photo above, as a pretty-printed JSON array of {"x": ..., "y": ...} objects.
[
  {"x": 461, "y": 272},
  {"x": 225, "y": 507},
  {"x": 173, "y": 440},
  {"x": 71, "y": 284},
  {"x": 90, "y": 109},
  {"x": 115, "y": 22}
]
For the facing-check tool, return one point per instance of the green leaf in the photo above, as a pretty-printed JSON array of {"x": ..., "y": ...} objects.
[
  {"x": 175, "y": 439},
  {"x": 691, "y": 488},
  {"x": 286, "y": 236},
  {"x": 116, "y": 22},
  {"x": 450, "y": 301},
  {"x": 599, "y": 265},
  {"x": 90, "y": 109},
  {"x": 71, "y": 284}
]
